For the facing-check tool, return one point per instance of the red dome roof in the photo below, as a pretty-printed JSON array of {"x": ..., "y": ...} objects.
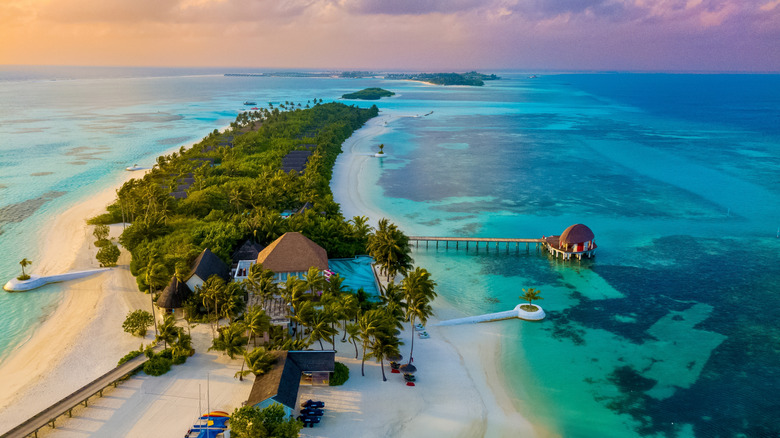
[{"x": 577, "y": 233}]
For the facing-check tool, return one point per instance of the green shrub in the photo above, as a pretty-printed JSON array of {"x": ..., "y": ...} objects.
[
  {"x": 166, "y": 354},
  {"x": 157, "y": 366},
  {"x": 101, "y": 243},
  {"x": 128, "y": 356},
  {"x": 340, "y": 375},
  {"x": 108, "y": 255}
]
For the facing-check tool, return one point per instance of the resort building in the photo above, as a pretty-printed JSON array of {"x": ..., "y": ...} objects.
[
  {"x": 292, "y": 255},
  {"x": 206, "y": 265},
  {"x": 577, "y": 240},
  {"x": 291, "y": 370},
  {"x": 243, "y": 259}
]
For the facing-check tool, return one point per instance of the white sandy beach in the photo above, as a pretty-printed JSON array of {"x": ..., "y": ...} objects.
[{"x": 459, "y": 389}]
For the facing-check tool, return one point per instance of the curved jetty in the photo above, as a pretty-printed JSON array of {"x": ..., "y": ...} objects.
[
  {"x": 517, "y": 312},
  {"x": 16, "y": 285}
]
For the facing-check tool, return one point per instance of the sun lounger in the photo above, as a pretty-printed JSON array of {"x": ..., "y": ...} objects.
[
  {"x": 312, "y": 412},
  {"x": 423, "y": 335},
  {"x": 419, "y": 327},
  {"x": 313, "y": 404}
]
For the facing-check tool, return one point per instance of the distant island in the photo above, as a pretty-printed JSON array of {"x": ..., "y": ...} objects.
[
  {"x": 369, "y": 94},
  {"x": 471, "y": 78}
]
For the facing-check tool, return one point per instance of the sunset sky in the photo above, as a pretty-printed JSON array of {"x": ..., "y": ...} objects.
[{"x": 677, "y": 35}]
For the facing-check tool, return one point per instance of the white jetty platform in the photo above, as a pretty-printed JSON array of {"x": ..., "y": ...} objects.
[
  {"x": 517, "y": 312},
  {"x": 15, "y": 285}
]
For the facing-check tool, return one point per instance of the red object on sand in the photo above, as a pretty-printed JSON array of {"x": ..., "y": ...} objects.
[
  {"x": 395, "y": 371},
  {"x": 409, "y": 383}
]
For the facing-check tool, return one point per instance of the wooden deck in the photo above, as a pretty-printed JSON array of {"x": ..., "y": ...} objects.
[
  {"x": 476, "y": 241},
  {"x": 48, "y": 416}
]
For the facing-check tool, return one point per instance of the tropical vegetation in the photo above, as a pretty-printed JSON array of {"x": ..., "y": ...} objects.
[
  {"x": 25, "y": 263},
  {"x": 369, "y": 94},
  {"x": 137, "y": 322},
  {"x": 253, "y": 422},
  {"x": 530, "y": 295}
]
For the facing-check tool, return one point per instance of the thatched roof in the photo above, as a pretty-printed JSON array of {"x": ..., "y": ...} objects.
[
  {"x": 577, "y": 233},
  {"x": 247, "y": 251},
  {"x": 208, "y": 264},
  {"x": 282, "y": 382},
  {"x": 174, "y": 295},
  {"x": 293, "y": 252}
]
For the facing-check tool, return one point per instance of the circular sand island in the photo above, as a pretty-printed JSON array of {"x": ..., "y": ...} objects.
[{"x": 530, "y": 315}]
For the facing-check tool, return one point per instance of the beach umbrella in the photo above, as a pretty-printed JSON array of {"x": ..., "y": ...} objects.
[
  {"x": 395, "y": 358},
  {"x": 408, "y": 368}
]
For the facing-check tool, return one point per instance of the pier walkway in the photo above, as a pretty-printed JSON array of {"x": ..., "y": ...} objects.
[
  {"x": 48, "y": 416},
  {"x": 476, "y": 241}
]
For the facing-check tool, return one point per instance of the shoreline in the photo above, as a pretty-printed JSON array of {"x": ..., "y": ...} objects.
[
  {"x": 476, "y": 347},
  {"x": 83, "y": 331}
]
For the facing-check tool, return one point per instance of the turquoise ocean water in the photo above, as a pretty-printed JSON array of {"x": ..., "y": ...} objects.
[{"x": 670, "y": 331}]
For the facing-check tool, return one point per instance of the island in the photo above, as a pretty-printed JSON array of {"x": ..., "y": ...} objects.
[
  {"x": 471, "y": 78},
  {"x": 369, "y": 94}
]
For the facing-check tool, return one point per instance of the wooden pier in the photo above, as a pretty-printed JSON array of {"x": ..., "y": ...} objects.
[
  {"x": 48, "y": 416},
  {"x": 476, "y": 241}
]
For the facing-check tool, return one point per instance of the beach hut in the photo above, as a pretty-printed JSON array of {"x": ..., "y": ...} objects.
[
  {"x": 576, "y": 240},
  {"x": 204, "y": 266},
  {"x": 282, "y": 382},
  {"x": 292, "y": 254},
  {"x": 173, "y": 296}
]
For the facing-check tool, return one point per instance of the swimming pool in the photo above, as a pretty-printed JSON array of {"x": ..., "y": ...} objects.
[{"x": 356, "y": 273}]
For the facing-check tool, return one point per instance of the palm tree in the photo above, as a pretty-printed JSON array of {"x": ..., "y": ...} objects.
[
  {"x": 260, "y": 281},
  {"x": 257, "y": 322},
  {"x": 530, "y": 295},
  {"x": 352, "y": 332},
  {"x": 258, "y": 362},
  {"x": 390, "y": 249},
  {"x": 348, "y": 310},
  {"x": 393, "y": 300},
  {"x": 24, "y": 264},
  {"x": 155, "y": 276},
  {"x": 168, "y": 331},
  {"x": 372, "y": 323},
  {"x": 314, "y": 280},
  {"x": 231, "y": 340},
  {"x": 302, "y": 315},
  {"x": 320, "y": 327},
  {"x": 418, "y": 288},
  {"x": 382, "y": 346}
]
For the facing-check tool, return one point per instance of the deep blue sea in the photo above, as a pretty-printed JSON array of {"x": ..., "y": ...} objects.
[{"x": 671, "y": 330}]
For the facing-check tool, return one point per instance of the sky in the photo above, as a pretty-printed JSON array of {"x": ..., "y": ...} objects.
[{"x": 378, "y": 35}]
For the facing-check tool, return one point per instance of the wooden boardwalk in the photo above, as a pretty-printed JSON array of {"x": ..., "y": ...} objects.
[
  {"x": 48, "y": 416},
  {"x": 476, "y": 241}
]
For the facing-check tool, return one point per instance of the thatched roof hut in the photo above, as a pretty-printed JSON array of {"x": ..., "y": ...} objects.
[
  {"x": 204, "y": 266},
  {"x": 174, "y": 295},
  {"x": 577, "y": 233},
  {"x": 293, "y": 252}
]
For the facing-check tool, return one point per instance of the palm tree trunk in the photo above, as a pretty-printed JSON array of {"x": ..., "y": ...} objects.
[
  {"x": 356, "y": 350},
  {"x": 321, "y": 346},
  {"x": 344, "y": 339},
  {"x": 241, "y": 374},
  {"x": 363, "y": 363},
  {"x": 411, "y": 322}
]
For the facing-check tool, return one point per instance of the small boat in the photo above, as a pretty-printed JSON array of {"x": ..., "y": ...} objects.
[
  {"x": 250, "y": 103},
  {"x": 212, "y": 425},
  {"x": 134, "y": 167}
]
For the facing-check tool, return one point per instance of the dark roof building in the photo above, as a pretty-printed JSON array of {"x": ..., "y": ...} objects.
[
  {"x": 295, "y": 160},
  {"x": 281, "y": 383},
  {"x": 206, "y": 265},
  {"x": 247, "y": 251}
]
